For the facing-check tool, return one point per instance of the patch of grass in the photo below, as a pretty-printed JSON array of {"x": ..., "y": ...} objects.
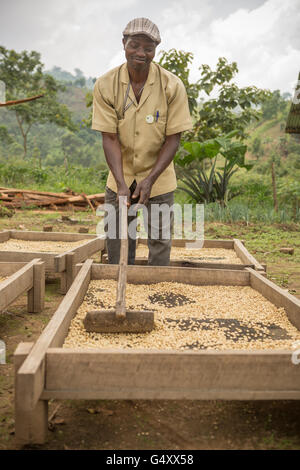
[{"x": 273, "y": 442}]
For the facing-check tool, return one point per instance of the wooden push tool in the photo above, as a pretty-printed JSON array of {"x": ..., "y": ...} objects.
[{"x": 120, "y": 320}]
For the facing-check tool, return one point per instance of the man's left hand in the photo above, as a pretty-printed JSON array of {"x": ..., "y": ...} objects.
[{"x": 142, "y": 191}]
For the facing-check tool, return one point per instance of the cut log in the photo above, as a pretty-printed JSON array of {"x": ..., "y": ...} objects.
[
  {"x": 17, "y": 198},
  {"x": 24, "y": 100}
]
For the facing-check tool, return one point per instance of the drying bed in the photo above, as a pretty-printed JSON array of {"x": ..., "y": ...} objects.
[
  {"x": 214, "y": 254},
  {"x": 16, "y": 278},
  {"x": 188, "y": 317},
  {"x": 49, "y": 369},
  {"x": 60, "y": 251}
]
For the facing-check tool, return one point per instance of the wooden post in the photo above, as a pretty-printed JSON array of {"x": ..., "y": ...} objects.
[
  {"x": 30, "y": 426},
  {"x": 63, "y": 283},
  {"x": 70, "y": 269},
  {"x": 36, "y": 295},
  {"x": 32, "y": 373},
  {"x": 67, "y": 276}
]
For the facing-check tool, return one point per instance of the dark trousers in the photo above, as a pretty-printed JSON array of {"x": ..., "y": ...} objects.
[{"x": 157, "y": 227}]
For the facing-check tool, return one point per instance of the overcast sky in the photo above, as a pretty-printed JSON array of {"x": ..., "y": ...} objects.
[{"x": 262, "y": 36}]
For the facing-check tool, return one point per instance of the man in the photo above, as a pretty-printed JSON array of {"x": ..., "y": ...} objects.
[{"x": 141, "y": 110}]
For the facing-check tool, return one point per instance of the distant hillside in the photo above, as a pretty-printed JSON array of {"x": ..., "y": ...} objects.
[
  {"x": 74, "y": 98},
  {"x": 78, "y": 79},
  {"x": 268, "y": 137}
]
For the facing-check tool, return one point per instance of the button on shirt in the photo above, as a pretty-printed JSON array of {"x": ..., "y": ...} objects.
[{"x": 162, "y": 110}]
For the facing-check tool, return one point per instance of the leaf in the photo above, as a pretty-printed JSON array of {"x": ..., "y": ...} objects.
[
  {"x": 211, "y": 148},
  {"x": 232, "y": 134}
]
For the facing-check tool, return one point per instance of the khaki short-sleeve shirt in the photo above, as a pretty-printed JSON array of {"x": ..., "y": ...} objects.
[{"x": 162, "y": 110}]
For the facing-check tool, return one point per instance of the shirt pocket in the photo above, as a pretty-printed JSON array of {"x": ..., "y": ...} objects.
[
  {"x": 162, "y": 118},
  {"x": 156, "y": 132},
  {"x": 125, "y": 133}
]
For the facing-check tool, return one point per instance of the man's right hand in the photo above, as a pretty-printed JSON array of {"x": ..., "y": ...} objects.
[{"x": 124, "y": 191}]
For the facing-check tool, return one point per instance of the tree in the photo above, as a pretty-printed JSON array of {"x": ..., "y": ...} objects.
[
  {"x": 275, "y": 104},
  {"x": 4, "y": 136},
  {"x": 79, "y": 73},
  {"x": 256, "y": 147},
  {"x": 233, "y": 108},
  {"x": 178, "y": 62},
  {"x": 71, "y": 146},
  {"x": 80, "y": 82},
  {"x": 23, "y": 75}
]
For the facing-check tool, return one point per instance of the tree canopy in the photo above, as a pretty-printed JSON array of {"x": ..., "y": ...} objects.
[
  {"x": 224, "y": 106},
  {"x": 23, "y": 75}
]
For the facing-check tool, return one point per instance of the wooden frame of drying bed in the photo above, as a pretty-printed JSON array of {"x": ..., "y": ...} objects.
[
  {"x": 45, "y": 370},
  {"x": 23, "y": 277},
  {"x": 248, "y": 261},
  {"x": 57, "y": 263}
]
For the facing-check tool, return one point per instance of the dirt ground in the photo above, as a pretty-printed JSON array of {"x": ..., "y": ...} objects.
[{"x": 160, "y": 424}]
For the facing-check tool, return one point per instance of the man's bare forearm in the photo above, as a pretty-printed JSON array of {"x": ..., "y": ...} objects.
[{"x": 113, "y": 155}]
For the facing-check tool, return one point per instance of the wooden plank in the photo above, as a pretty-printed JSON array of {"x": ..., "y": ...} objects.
[
  {"x": 153, "y": 274},
  {"x": 31, "y": 191},
  {"x": 153, "y": 374},
  {"x": 191, "y": 264},
  {"x": 18, "y": 283},
  {"x": 32, "y": 372},
  {"x": 191, "y": 395},
  {"x": 4, "y": 236},
  {"x": 82, "y": 252},
  {"x": 245, "y": 256},
  {"x": 50, "y": 236},
  {"x": 228, "y": 244},
  {"x": 26, "y": 257},
  {"x": 277, "y": 296},
  {"x": 30, "y": 426},
  {"x": 9, "y": 267}
]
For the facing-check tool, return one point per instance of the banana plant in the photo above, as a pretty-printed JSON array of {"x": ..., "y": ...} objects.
[
  {"x": 200, "y": 187},
  {"x": 215, "y": 187}
]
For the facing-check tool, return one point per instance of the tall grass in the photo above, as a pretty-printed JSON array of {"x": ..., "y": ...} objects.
[
  {"x": 254, "y": 205},
  {"x": 243, "y": 212},
  {"x": 25, "y": 175}
]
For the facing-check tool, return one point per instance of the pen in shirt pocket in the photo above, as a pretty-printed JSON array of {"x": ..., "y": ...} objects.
[{"x": 157, "y": 116}]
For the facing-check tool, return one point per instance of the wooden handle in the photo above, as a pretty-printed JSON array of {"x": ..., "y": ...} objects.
[{"x": 122, "y": 275}]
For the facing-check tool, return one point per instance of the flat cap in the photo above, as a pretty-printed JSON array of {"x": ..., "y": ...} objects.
[{"x": 142, "y": 26}]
